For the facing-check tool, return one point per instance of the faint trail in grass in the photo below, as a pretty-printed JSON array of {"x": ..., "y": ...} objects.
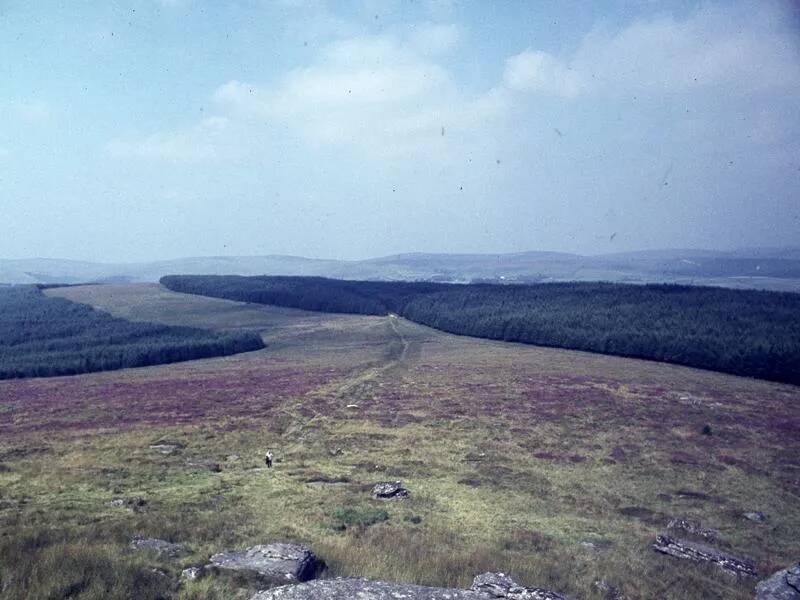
[{"x": 326, "y": 401}]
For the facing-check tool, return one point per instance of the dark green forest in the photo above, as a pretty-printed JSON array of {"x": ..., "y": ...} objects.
[
  {"x": 743, "y": 332},
  {"x": 42, "y": 336}
]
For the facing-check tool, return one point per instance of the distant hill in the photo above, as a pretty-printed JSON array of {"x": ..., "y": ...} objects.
[{"x": 752, "y": 268}]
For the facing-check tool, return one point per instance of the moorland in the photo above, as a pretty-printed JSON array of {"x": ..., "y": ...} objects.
[{"x": 558, "y": 466}]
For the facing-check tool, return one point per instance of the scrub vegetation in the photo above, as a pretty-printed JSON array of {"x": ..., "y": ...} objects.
[
  {"x": 752, "y": 333},
  {"x": 43, "y": 336},
  {"x": 559, "y": 467}
]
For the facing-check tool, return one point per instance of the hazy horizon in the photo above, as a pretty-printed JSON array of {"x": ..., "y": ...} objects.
[{"x": 162, "y": 129}]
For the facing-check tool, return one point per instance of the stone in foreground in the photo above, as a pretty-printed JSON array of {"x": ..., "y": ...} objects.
[
  {"x": 783, "y": 585},
  {"x": 704, "y": 553},
  {"x": 389, "y": 490},
  {"x": 500, "y": 585},
  {"x": 270, "y": 563},
  {"x": 489, "y": 586}
]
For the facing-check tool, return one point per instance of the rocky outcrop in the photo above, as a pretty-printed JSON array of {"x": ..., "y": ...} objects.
[
  {"x": 269, "y": 563},
  {"x": 389, "y": 490},
  {"x": 783, "y": 585},
  {"x": 693, "y": 528},
  {"x": 500, "y": 585},
  {"x": 161, "y": 547},
  {"x": 489, "y": 586},
  {"x": 700, "y": 552}
]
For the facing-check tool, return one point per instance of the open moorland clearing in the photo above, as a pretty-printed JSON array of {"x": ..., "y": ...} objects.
[{"x": 558, "y": 466}]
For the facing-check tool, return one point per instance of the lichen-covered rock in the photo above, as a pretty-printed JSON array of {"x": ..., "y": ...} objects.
[
  {"x": 756, "y": 516},
  {"x": 270, "y": 563},
  {"x": 704, "y": 553},
  {"x": 488, "y": 586},
  {"x": 389, "y": 490},
  {"x": 161, "y": 547},
  {"x": 193, "y": 573},
  {"x": 694, "y": 528},
  {"x": 783, "y": 585},
  {"x": 500, "y": 585},
  {"x": 351, "y": 589}
]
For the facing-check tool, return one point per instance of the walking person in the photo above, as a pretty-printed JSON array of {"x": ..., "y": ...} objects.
[{"x": 268, "y": 458}]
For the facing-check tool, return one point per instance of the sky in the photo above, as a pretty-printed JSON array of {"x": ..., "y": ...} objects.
[{"x": 156, "y": 129}]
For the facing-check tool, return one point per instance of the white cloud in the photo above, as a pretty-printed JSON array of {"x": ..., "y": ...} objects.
[
  {"x": 712, "y": 47},
  {"x": 380, "y": 94},
  {"x": 537, "y": 71},
  {"x": 393, "y": 95}
]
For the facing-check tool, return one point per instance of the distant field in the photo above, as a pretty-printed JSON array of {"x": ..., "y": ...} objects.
[
  {"x": 752, "y": 333},
  {"x": 48, "y": 336},
  {"x": 517, "y": 457}
]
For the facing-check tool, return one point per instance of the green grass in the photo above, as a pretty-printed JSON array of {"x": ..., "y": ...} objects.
[{"x": 514, "y": 456}]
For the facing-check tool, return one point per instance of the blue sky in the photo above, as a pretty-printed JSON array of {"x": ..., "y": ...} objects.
[{"x": 164, "y": 128}]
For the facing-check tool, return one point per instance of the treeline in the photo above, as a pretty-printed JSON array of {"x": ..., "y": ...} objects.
[
  {"x": 743, "y": 332},
  {"x": 42, "y": 336}
]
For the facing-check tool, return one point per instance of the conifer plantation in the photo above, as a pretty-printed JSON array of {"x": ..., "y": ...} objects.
[
  {"x": 744, "y": 332},
  {"x": 42, "y": 336}
]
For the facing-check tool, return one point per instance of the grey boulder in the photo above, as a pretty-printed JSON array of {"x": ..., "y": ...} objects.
[
  {"x": 489, "y": 586},
  {"x": 783, "y": 585},
  {"x": 500, "y": 585},
  {"x": 389, "y": 490},
  {"x": 269, "y": 563},
  {"x": 699, "y": 552}
]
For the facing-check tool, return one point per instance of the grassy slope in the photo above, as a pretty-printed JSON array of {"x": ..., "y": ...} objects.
[{"x": 571, "y": 443}]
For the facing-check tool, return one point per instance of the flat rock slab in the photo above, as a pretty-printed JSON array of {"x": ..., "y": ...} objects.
[
  {"x": 161, "y": 547},
  {"x": 389, "y": 490},
  {"x": 500, "y": 585},
  {"x": 694, "y": 528},
  {"x": 270, "y": 563},
  {"x": 204, "y": 465},
  {"x": 167, "y": 448},
  {"x": 783, "y": 585},
  {"x": 489, "y": 586},
  {"x": 699, "y": 552}
]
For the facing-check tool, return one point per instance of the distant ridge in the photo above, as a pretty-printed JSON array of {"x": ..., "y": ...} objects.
[{"x": 754, "y": 268}]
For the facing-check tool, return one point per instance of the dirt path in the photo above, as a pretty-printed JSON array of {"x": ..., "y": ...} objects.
[{"x": 350, "y": 393}]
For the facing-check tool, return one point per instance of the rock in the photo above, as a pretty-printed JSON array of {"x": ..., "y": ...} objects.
[
  {"x": 161, "y": 547},
  {"x": 488, "y": 586},
  {"x": 271, "y": 563},
  {"x": 388, "y": 490},
  {"x": 694, "y": 528},
  {"x": 500, "y": 585},
  {"x": 204, "y": 465},
  {"x": 167, "y": 448},
  {"x": 703, "y": 553},
  {"x": 755, "y": 516},
  {"x": 134, "y": 503},
  {"x": 352, "y": 589},
  {"x": 193, "y": 573},
  {"x": 783, "y": 585},
  {"x": 597, "y": 545},
  {"x": 232, "y": 457}
]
